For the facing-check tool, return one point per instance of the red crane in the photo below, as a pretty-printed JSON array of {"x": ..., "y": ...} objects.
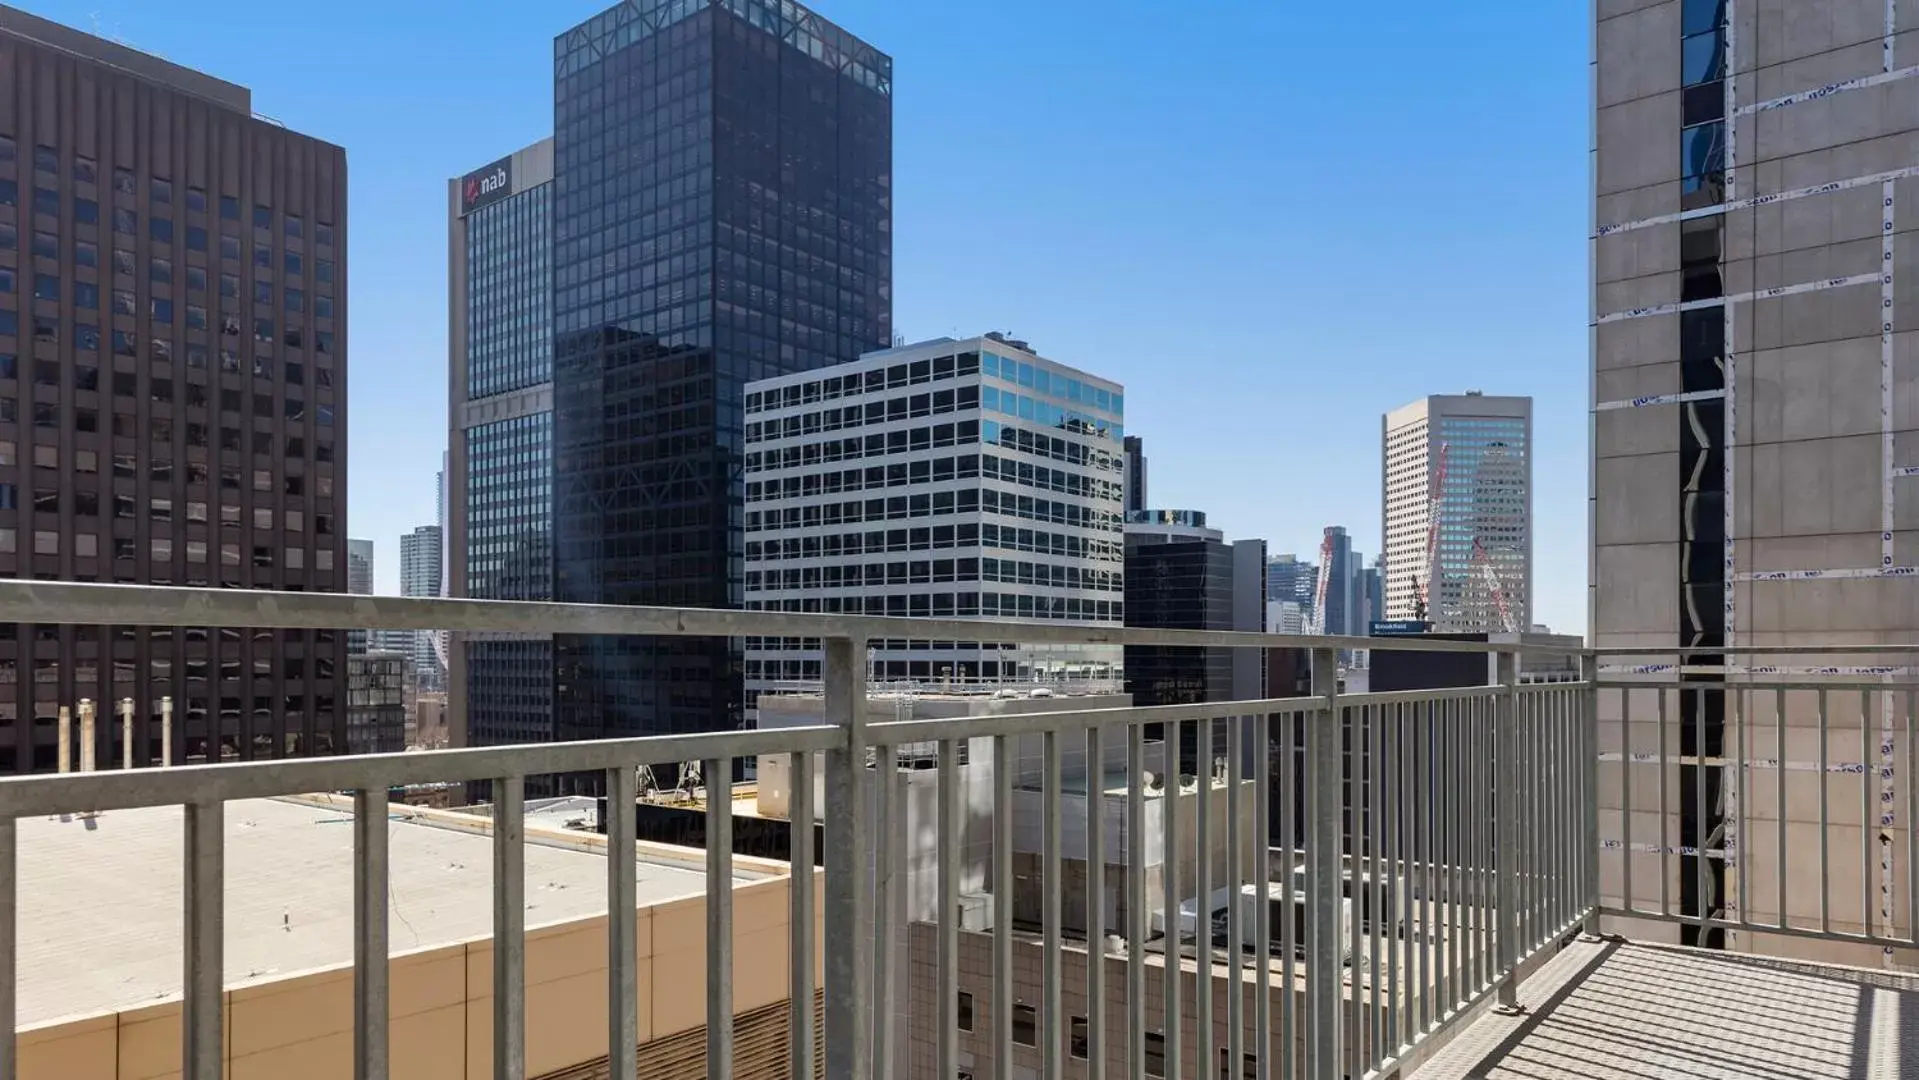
[
  {"x": 1434, "y": 491},
  {"x": 1482, "y": 562},
  {"x": 1319, "y": 588}
]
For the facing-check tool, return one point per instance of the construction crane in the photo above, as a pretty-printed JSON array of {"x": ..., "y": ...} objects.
[
  {"x": 1319, "y": 588},
  {"x": 1483, "y": 563},
  {"x": 1421, "y": 600}
]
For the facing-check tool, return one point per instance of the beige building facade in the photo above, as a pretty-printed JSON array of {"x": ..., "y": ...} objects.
[{"x": 1755, "y": 473}]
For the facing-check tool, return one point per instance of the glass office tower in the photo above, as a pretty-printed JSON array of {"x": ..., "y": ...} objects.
[
  {"x": 500, "y": 442},
  {"x": 722, "y": 212}
]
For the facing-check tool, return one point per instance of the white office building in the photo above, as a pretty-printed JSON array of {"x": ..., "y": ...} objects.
[
  {"x": 1458, "y": 512},
  {"x": 954, "y": 479}
]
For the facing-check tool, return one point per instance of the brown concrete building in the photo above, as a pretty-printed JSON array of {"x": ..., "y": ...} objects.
[{"x": 172, "y": 393}]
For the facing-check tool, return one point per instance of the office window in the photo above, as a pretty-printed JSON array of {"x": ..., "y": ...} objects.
[
  {"x": 46, "y": 159},
  {"x": 86, "y": 211},
  {"x": 229, "y": 208},
  {"x": 197, "y": 199},
  {"x": 1025, "y": 1025},
  {"x": 1702, "y": 164},
  {"x": 1155, "y": 1054},
  {"x": 85, "y": 169},
  {"x": 46, "y": 287},
  {"x": 262, "y": 217},
  {"x": 963, "y": 1011},
  {"x": 1076, "y": 1044}
]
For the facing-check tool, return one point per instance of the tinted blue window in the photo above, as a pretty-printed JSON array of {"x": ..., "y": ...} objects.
[
  {"x": 1702, "y": 58},
  {"x": 1698, "y": 16}
]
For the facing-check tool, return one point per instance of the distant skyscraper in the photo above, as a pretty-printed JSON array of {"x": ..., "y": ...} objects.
[
  {"x": 1373, "y": 585},
  {"x": 1469, "y": 457},
  {"x": 1335, "y": 595},
  {"x": 359, "y": 582},
  {"x": 1135, "y": 474},
  {"x": 420, "y": 576},
  {"x": 1290, "y": 581}
]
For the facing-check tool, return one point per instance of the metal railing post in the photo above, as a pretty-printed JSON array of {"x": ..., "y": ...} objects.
[
  {"x": 1325, "y": 974},
  {"x": 86, "y": 735},
  {"x": 848, "y": 921},
  {"x": 1586, "y": 745},
  {"x": 126, "y": 733},
  {"x": 66, "y": 740},
  {"x": 1507, "y": 802},
  {"x": 166, "y": 732}
]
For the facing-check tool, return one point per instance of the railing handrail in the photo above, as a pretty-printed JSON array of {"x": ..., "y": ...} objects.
[
  {"x": 125, "y": 789},
  {"x": 85, "y": 603}
]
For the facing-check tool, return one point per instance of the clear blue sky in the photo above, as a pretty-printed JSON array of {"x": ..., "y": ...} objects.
[{"x": 1272, "y": 221}]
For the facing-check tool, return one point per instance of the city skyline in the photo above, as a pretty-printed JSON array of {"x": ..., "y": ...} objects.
[{"x": 1501, "y": 268}]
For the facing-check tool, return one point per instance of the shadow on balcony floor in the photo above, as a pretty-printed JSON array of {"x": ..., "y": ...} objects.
[{"x": 1618, "y": 1010}]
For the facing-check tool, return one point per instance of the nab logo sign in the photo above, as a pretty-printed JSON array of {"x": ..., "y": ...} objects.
[{"x": 487, "y": 185}]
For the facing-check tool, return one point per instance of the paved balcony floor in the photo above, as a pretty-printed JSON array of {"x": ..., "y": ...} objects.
[{"x": 1625, "y": 1011}]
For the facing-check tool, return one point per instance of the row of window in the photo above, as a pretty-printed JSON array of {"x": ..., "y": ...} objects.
[
  {"x": 160, "y": 509},
  {"x": 905, "y": 407},
  {"x": 924, "y": 571},
  {"x": 86, "y": 336},
  {"x": 160, "y": 549},
  {"x": 937, "y": 605},
  {"x": 47, "y": 244},
  {"x": 989, "y": 536},
  {"x": 989, "y": 500},
  {"x": 46, "y": 159},
  {"x": 88, "y": 671},
  {"x": 86, "y": 254},
  {"x": 52, "y": 414},
  {"x": 833, "y": 387},
  {"x": 905, "y": 440},
  {"x": 125, "y": 383}
]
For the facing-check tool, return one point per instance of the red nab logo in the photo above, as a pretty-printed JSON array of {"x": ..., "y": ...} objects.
[{"x": 482, "y": 187}]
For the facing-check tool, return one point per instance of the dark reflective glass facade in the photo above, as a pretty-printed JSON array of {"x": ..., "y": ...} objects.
[
  {"x": 509, "y": 294},
  {"x": 507, "y": 497},
  {"x": 722, "y": 213}
]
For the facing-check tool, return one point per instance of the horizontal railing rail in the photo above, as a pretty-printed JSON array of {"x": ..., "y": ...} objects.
[
  {"x": 1765, "y": 805},
  {"x": 1484, "y": 794},
  {"x": 72, "y": 602}
]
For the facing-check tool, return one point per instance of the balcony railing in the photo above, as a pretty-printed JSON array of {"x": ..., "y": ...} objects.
[{"x": 1389, "y": 862}]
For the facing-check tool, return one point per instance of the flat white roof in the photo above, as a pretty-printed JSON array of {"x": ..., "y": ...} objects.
[{"x": 100, "y": 908}]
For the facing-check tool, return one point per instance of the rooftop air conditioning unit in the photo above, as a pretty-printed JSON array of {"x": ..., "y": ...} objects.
[{"x": 976, "y": 912}]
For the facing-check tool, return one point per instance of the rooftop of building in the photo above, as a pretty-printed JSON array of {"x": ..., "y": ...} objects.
[
  {"x": 101, "y": 919},
  {"x": 141, "y": 65},
  {"x": 995, "y": 342}
]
